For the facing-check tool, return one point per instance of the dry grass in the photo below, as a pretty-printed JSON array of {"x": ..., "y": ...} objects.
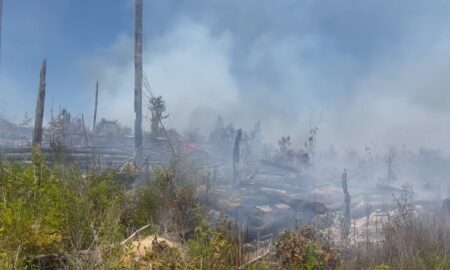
[{"x": 409, "y": 239}]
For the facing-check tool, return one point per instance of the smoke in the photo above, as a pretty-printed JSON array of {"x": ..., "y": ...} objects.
[
  {"x": 188, "y": 67},
  {"x": 376, "y": 72},
  {"x": 401, "y": 99}
]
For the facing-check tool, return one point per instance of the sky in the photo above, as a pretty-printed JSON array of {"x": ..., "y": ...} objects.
[{"x": 367, "y": 72}]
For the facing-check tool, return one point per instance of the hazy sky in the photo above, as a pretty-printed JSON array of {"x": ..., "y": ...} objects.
[{"x": 378, "y": 71}]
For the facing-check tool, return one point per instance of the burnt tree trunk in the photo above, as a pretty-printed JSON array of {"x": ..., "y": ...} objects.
[
  {"x": 84, "y": 131},
  {"x": 138, "y": 82},
  {"x": 236, "y": 156},
  {"x": 346, "y": 221},
  {"x": 390, "y": 173},
  {"x": 39, "y": 117},
  {"x": 154, "y": 127},
  {"x": 95, "y": 109},
  {"x": 1, "y": 13}
]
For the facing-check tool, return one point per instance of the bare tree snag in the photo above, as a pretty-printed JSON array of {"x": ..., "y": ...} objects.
[
  {"x": 368, "y": 213},
  {"x": 236, "y": 156},
  {"x": 84, "y": 131},
  {"x": 346, "y": 221},
  {"x": 390, "y": 166},
  {"x": 39, "y": 117},
  {"x": 1, "y": 16},
  {"x": 95, "y": 109},
  {"x": 138, "y": 82}
]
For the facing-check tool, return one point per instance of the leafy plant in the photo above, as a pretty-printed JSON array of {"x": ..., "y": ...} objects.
[{"x": 301, "y": 249}]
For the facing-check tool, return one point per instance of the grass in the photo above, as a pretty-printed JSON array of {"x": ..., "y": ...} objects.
[{"x": 82, "y": 217}]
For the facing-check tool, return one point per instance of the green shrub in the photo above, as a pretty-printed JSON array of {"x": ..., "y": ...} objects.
[
  {"x": 213, "y": 248},
  {"x": 32, "y": 216},
  {"x": 302, "y": 249},
  {"x": 60, "y": 209},
  {"x": 56, "y": 209}
]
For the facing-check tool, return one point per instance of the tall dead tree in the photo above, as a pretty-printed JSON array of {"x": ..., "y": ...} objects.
[
  {"x": 368, "y": 213},
  {"x": 96, "y": 104},
  {"x": 1, "y": 16},
  {"x": 346, "y": 219},
  {"x": 84, "y": 131},
  {"x": 390, "y": 165},
  {"x": 39, "y": 117},
  {"x": 138, "y": 82},
  {"x": 236, "y": 156}
]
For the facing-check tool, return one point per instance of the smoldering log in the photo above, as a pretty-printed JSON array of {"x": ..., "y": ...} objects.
[
  {"x": 39, "y": 117},
  {"x": 236, "y": 156},
  {"x": 138, "y": 82}
]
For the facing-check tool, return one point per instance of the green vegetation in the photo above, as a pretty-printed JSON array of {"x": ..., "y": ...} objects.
[
  {"x": 55, "y": 210},
  {"x": 79, "y": 219},
  {"x": 304, "y": 249}
]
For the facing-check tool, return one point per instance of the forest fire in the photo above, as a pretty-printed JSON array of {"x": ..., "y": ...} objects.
[{"x": 184, "y": 136}]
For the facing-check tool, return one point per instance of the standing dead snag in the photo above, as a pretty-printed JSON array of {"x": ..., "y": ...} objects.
[
  {"x": 346, "y": 221},
  {"x": 96, "y": 103},
  {"x": 138, "y": 82},
  {"x": 392, "y": 155},
  {"x": 37, "y": 134},
  {"x": 368, "y": 213},
  {"x": 1, "y": 13},
  {"x": 236, "y": 156},
  {"x": 84, "y": 131}
]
